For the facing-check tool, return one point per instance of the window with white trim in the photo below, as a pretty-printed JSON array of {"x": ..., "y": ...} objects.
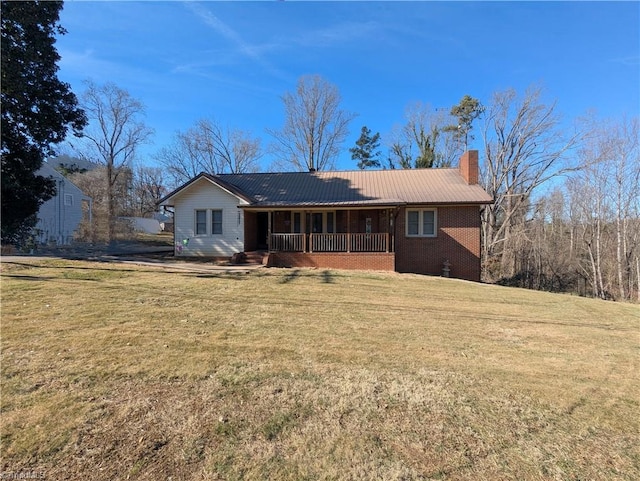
[
  {"x": 68, "y": 199},
  {"x": 216, "y": 222},
  {"x": 422, "y": 222},
  {"x": 201, "y": 222},
  {"x": 321, "y": 222}
]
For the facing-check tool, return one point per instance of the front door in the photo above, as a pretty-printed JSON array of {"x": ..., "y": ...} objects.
[{"x": 262, "y": 220}]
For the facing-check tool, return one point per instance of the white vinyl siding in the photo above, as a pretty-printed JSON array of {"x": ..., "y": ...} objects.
[
  {"x": 422, "y": 222},
  {"x": 222, "y": 215}
]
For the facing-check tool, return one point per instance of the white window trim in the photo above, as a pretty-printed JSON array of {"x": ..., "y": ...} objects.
[
  {"x": 68, "y": 200},
  {"x": 208, "y": 227},
  {"x": 421, "y": 222}
]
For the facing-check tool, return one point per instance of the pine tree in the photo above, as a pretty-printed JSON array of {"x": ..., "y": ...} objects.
[
  {"x": 365, "y": 151},
  {"x": 466, "y": 112}
]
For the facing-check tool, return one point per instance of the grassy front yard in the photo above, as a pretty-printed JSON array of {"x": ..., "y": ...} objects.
[{"x": 114, "y": 371}]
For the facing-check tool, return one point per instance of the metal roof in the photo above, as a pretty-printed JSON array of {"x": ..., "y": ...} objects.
[
  {"x": 348, "y": 188},
  {"x": 357, "y": 188}
]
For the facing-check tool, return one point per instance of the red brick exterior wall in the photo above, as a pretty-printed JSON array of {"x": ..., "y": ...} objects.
[
  {"x": 378, "y": 261},
  {"x": 457, "y": 240}
]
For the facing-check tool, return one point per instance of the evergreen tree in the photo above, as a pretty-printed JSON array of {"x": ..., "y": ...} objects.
[
  {"x": 37, "y": 110},
  {"x": 466, "y": 112},
  {"x": 366, "y": 150}
]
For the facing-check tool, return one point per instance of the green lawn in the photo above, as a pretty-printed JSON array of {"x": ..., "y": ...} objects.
[{"x": 116, "y": 371}]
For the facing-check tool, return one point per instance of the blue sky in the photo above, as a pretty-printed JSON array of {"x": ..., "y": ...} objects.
[{"x": 232, "y": 61}]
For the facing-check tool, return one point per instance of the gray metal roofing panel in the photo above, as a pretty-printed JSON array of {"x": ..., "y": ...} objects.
[{"x": 362, "y": 187}]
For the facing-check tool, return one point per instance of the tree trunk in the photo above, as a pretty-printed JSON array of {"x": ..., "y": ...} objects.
[
  {"x": 638, "y": 276},
  {"x": 619, "y": 262},
  {"x": 111, "y": 220}
]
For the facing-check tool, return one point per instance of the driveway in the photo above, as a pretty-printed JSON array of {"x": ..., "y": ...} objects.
[{"x": 136, "y": 254}]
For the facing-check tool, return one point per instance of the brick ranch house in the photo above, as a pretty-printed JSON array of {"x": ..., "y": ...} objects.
[{"x": 402, "y": 220}]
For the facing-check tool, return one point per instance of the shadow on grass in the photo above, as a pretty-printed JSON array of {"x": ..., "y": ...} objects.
[
  {"x": 234, "y": 276},
  {"x": 68, "y": 273},
  {"x": 327, "y": 277},
  {"x": 290, "y": 276},
  {"x": 30, "y": 278}
]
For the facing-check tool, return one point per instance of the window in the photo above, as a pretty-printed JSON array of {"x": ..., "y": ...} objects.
[
  {"x": 201, "y": 222},
  {"x": 422, "y": 223},
  {"x": 331, "y": 223},
  {"x": 68, "y": 199},
  {"x": 321, "y": 222},
  {"x": 413, "y": 222},
  {"x": 216, "y": 222},
  {"x": 428, "y": 222},
  {"x": 297, "y": 223}
]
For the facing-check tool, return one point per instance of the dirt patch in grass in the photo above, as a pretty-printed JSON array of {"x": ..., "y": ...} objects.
[{"x": 125, "y": 372}]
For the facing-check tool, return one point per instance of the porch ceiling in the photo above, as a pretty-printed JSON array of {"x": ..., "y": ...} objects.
[{"x": 322, "y": 206}]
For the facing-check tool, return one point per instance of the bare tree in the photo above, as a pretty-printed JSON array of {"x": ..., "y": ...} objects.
[
  {"x": 114, "y": 135},
  {"x": 315, "y": 126},
  {"x": 209, "y": 147},
  {"x": 148, "y": 189},
  {"x": 423, "y": 141},
  {"x": 626, "y": 200},
  {"x": 605, "y": 195},
  {"x": 524, "y": 148},
  {"x": 92, "y": 183}
]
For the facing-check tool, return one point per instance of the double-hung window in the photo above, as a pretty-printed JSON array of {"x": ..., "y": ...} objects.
[
  {"x": 216, "y": 222},
  {"x": 201, "y": 222},
  {"x": 422, "y": 222}
]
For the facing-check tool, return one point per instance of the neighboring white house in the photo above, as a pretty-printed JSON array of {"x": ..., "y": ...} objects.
[
  {"x": 208, "y": 221},
  {"x": 60, "y": 216}
]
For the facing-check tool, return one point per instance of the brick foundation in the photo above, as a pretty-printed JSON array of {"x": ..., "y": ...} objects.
[{"x": 378, "y": 261}]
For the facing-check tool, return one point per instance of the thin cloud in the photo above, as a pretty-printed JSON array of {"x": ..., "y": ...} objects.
[
  {"x": 338, "y": 34},
  {"x": 253, "y": 52}
]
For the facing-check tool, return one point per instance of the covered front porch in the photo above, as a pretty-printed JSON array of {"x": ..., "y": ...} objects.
[
  {"x": 343, "y": 242},
  {"x": 320, "y": 230},
  {"x": 332, "y": 238}
]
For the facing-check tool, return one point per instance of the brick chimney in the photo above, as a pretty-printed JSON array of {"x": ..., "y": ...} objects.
[{"x": 468, "y": 166}]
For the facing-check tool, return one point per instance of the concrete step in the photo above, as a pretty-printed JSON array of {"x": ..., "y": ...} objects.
[{"x": 253, "y": 257}]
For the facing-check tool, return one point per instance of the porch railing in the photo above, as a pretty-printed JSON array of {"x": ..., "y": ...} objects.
[
  {"x": 328, "y": 242},
  {"x": 287, "y": 243},
  {"x": 379, "y": 242},
  {"x": 369, "y": 242}
]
